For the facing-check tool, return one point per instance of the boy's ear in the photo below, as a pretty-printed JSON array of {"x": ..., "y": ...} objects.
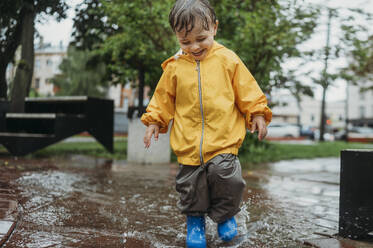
[{"x": 216, "y": 27}]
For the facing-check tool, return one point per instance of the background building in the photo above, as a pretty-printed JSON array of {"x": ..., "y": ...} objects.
[
  {"x": 360, "y": 106},
  {"x": 308, "y": 111},
  {"x": 47, "y": 61}
]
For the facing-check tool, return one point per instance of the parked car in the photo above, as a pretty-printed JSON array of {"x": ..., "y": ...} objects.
[
  {"x": 279, "y": 130},
  {"x": 307, "y": 131},
  {"x": 327, "y": 136},
  {"x": 340, "y": 135},
  {"x": 360, "y": 134}
]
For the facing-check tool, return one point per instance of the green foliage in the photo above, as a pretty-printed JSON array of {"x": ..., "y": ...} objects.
[
  {"x": 86, "y": 148},
  {"x": 90, "y": 30},
  {"x": 78, "y": 77},
  {"x": 138, "y": 37},
  {"x": 359, "y": 42},
  {"x": 90, "y": 27},
  {"x": 248, "y": 154},
  {"x": 265, "y": 34},
  {"x": 143, "y": 38},
  {"x": 11, "y": 27},
  {"x": 253, "y": 149},
  {"x": 33, "y": 93}
]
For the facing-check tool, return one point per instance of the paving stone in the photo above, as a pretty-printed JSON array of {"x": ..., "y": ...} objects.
[
  {"x": 4, "y": 196},
  {"x": 326, "y": 243},
  {"x": 6, "y": 226},
  {"x": 327, "y": 233},
  {"x": 6, "y": 191},
  {"x": 3, "y": 213},
  {"x": 8, "y": 210},
  {"x": 337, "y": 243},
  {"x": 3, "y": 238},
  {"x": 4, "y": 204},
  {"x": 325, "y": 223}
]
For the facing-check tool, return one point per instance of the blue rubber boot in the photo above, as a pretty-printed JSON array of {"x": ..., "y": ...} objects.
[
  {"x": 227, "y": 230},
  {"x": 196, "y": 232}
]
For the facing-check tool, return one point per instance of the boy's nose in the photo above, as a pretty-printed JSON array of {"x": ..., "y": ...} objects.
[{"x": 194, "y": 47}]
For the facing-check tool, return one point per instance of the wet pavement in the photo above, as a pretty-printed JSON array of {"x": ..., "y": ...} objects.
[{"x": 86, "y": 202}]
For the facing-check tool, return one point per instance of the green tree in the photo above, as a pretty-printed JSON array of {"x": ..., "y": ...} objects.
[
  {"x": 90, "y": 30},
  {"x": 17, "y": 28},
  {"x": 80, "y": 78},
  {"x": 350, "y": 46},
  {"x": 90, "y": 25},
  {"x": 326, "y": 79},
  {"x": 142, "y": 41},
  {"x": 265, "y": 34},
  {"x": 132, "y": 38},
  {"x": 358, "y": 40}
]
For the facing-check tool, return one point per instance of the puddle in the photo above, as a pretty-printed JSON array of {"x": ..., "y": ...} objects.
[{"x": 87, "y": 202}]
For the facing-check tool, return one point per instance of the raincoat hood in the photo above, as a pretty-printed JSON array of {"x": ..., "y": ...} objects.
[{"x": 180, "y": 54}]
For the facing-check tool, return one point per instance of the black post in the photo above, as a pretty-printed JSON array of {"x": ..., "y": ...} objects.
[{"x": 356, "y": 194}]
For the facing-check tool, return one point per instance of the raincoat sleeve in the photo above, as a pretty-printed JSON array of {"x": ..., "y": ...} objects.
[
  {"x": 161, "y": 107},
  {"x": 250, "y": 99}
]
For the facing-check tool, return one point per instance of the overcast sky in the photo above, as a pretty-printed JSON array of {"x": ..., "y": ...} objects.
[{"x": 54, "y": 32}]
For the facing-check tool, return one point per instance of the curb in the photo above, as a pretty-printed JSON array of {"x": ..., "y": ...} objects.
[{"x": 8, "y": 212}]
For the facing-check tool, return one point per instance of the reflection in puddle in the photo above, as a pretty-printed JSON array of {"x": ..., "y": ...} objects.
[{"x": 88, "y": 202}]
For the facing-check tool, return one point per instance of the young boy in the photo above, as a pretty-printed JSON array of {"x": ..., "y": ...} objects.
[{"x": 212, "y": 98}]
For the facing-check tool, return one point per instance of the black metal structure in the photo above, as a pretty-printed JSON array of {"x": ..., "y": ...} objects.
[
  {"x": 356, "y": 194},
  {"x": 49, "y": 120},
  {"x": 362, "y": 122}
]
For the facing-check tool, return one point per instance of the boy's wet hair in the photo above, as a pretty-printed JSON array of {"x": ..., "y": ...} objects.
[{"x": 185, "y": 13}]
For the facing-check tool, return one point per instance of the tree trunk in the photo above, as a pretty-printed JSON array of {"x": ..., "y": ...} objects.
[
  {"x": 22, "y": 80},
  {"x": 141, "y": 108},
  {"x": 7, "y": 55},
  {"x": 141, "y": 87}
]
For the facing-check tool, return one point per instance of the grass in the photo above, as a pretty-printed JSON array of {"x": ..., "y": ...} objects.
[
  {"x": 252, "y": 152},
  {"x": 277, "y": 151}
]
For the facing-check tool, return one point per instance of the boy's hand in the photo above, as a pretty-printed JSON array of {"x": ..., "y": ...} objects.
[
  {"x": 259, "y": 124},
  {"x": 149, "y": 133}
]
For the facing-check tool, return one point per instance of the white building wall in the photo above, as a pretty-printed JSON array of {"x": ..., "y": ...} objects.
[
  {"x": 309, "y": 112},
  {"x": 360, "y": 104},
  {"x": 114, "y": 93},
  {"x": 47, "y": 61}
]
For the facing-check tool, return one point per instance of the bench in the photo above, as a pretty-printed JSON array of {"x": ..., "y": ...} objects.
[
  {"x": 356, "y": 194},
  {"x": 49, "y": 120}
]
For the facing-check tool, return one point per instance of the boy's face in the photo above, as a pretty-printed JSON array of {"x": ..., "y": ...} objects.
[{"x": 199, "y": 41}]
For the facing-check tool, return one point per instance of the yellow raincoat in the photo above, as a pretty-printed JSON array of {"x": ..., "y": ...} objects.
[{"x": 211, "y": 102}]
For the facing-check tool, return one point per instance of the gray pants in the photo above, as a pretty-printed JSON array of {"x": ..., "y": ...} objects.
[{"x": 215, "y": 188}]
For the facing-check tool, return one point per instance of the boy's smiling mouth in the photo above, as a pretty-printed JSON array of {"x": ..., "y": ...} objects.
[{"x": 199, "y": 53}]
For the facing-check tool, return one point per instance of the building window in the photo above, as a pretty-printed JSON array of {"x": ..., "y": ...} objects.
[
  {"x": 49, "y": 62},
  {"x": 37, "y": 63},
  {"x": 312, "y": 118},
  {"x": 362, "y": 112},
  {"x": 362, "y": 95},
  {"x": 340, "y": 117},
  {"x": 37, "y": 83}
]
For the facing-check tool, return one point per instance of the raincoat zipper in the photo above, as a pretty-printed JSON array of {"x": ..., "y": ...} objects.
[{"x": 201, "y": 108}]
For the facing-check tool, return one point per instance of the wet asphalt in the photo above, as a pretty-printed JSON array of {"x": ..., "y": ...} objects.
[{"x": 81, "y": 201}]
